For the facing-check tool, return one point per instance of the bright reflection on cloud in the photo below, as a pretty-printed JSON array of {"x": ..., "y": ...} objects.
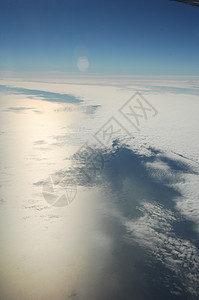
[{"x": 83, "y": 64}]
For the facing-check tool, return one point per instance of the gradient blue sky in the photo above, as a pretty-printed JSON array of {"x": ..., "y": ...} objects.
[{"x": 121, "y": 37}]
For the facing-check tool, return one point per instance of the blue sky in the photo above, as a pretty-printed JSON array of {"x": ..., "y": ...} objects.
[{"x": 117, "y": 37}]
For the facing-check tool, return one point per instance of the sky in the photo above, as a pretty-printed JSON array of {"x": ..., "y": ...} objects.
[{"x": 157, "y": 37}]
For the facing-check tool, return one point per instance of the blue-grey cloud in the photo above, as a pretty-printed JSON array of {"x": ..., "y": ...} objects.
[
  {"x": 43, "y": 95},
  {"x": 151, "y": 238}
]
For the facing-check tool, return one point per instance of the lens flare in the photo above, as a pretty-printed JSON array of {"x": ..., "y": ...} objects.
[{"x": 83, "y": 64}]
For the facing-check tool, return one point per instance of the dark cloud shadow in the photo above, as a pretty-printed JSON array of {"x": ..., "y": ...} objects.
[
  {"x": 154, "y": 258},
  {"x": 46, "y": 96}
]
